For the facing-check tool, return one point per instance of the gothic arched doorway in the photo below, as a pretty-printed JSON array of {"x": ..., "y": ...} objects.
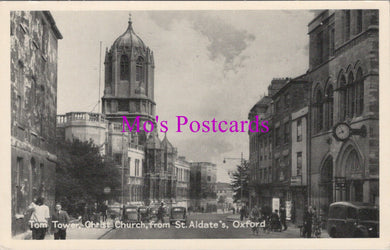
[
  {"x": 326, "y": 186},
  {"x": 354, "y": 168}
]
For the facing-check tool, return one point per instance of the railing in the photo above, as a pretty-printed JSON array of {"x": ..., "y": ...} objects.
[{"x": 80, "y": 116}]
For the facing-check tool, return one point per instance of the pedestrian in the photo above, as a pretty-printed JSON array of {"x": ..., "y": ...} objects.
[
  {"x": 160, "y": 213},
  {"x": 104, "y": 212},
  {"x": 275, "y": 222},
  {"x": 283, "y": 218},
  {"x": 242, "y": 213},
  {"x": 60, "y": 222},
  {"x": 255, "y": 217},
  {"x": 307, "y": 222},
  {"x": 39, "y": 220}
]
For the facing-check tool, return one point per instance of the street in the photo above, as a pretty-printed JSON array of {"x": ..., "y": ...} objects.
[{"x": 200, "y": 228}]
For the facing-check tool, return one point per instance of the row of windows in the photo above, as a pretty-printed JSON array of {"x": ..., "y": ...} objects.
[
  {"x": 358, "y": 15},
  {"x": 282, "y": 138},
  {"x": 125, "y": 69},
  {"x": 351, "y": 103},
  {"x": 352, "y": 23}
]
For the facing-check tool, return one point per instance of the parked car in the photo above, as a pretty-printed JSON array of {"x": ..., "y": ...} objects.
[
  {"x": 114, "y": 211},
  {"x": 353, "y": 220},
  {"x": 153, "y": 211},
  {"x": 178, "y": 214},
  {"x": 144, "y": 214},
  {"x": 131, "y": 214}
]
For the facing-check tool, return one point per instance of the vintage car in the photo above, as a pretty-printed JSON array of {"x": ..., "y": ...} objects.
[
  {"x": 153, "y": 211},
  {"x": 178, "y": 214},
  {"x": 144, "y": 214},
  {"x": 353, "y": 220},
  {"x": 130, "y": 214},
  {"x": 114, "y": 211}
]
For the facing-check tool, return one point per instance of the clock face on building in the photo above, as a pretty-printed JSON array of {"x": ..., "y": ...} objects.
[{"x": 341, "y": 131}]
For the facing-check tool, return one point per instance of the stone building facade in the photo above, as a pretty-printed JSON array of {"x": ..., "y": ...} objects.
[
  {"x": 261, "y": 149},
  {"x": 278, "y": 158},
  {"x": 343, "y": 85},
  {"x": 34, "y": 44},
  {"x": 344, "y": 71}
]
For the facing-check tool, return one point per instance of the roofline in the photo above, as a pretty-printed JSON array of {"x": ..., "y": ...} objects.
[
  {"x": 53, "y": 24},
  {"x": 317, "y": 16},
  {"x": 287, "y": 84}
]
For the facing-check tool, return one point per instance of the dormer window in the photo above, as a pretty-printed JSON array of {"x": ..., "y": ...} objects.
[
  {"x": 124, "y": 68},
  {"x": 139, "y": 72}
]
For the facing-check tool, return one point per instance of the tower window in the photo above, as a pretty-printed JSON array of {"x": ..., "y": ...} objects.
[
  {"x": 124, "y": 68},
  {"x": 347, "y": 24},
  {"x": 139, "y": 73},
  {"x": 331, "y": 47},
  {"x": 359, "y": 21},
  {"x": 360, "y": 92},
  {"x": 343, "y": 98},
  {"x": 320, "y": 111},
  {"x": 351, "y": 90},
  {"x": 329, "y": 111}
]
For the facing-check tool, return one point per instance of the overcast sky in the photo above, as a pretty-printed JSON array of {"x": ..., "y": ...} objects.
[{"x": 209, "y": 64}]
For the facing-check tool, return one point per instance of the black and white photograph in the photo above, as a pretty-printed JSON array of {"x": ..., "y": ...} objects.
[{"x": 180, "y": 123}]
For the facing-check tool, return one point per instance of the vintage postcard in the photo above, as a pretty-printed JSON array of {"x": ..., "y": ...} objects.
[{"x": 184, "y": 125}]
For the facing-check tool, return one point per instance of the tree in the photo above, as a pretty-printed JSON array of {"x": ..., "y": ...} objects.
[
  {"x": 240, "y": 181},
  {"x": 82, "y": 174}
]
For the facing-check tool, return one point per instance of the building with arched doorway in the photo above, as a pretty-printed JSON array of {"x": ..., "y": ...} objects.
[{"x": 344, "y": 74}]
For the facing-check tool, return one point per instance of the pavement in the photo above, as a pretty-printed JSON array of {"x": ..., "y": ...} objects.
[{"x": 77, "y": 231}]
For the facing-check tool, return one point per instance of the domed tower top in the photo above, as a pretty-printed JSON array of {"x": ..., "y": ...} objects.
[
  {"x": 129, "y": 79},
  {"x": 129, "y": 39}
]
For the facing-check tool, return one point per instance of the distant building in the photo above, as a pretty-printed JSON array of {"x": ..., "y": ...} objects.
[
  {"x": 34, "y": 38},
  {"x": 83, "y": 126},
  {"x": 182, "y": 168},
  {"x": 261, "y": 149},
  {"x": 290, "y": 144},
  {"x": 224, "y": 193},
  {"x": 203, "y": 179}
]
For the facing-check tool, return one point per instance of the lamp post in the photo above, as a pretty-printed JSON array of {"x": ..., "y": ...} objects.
[{"x": 242, "y": 166}]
